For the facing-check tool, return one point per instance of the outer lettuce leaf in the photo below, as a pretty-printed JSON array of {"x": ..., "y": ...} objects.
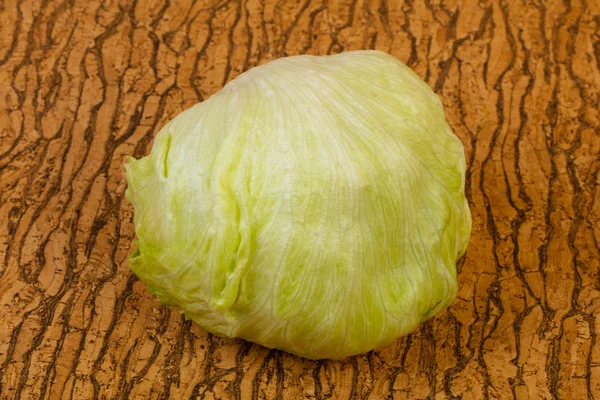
[{"x": 314, "y": 204}]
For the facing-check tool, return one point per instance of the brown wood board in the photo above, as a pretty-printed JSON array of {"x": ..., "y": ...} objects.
[{"x": 84, "y": 84}]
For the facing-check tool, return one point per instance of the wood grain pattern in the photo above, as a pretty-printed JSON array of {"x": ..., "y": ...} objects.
[{"x": 85, "y": 83}]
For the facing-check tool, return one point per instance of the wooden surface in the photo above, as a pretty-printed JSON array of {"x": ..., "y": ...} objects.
[{"x": 83, "y": 84}]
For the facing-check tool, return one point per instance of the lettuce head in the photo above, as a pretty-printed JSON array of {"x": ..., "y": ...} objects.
[{"x": 314, "y": 204}]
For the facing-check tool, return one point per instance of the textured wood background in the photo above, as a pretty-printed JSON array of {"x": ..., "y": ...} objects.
[{"x": 83, "y": 84}]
